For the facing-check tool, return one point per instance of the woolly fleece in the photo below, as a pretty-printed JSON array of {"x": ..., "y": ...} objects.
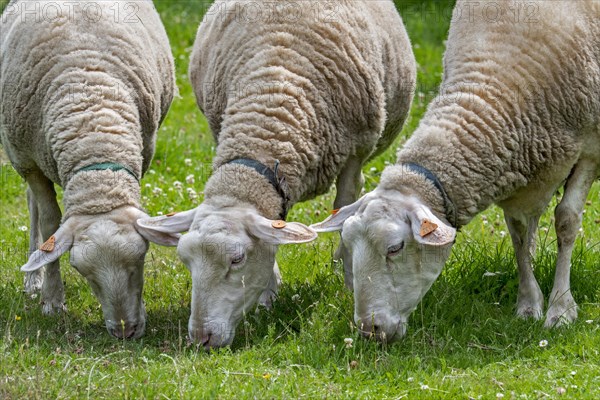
[
  {"x": 519, "y": 103},
  {"x": 334, "y": 82},
  {"x": 78, "y": 91}
]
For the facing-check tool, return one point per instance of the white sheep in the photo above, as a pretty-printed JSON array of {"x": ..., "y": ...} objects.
[
  {"x": 294, "y": 100},
  {"x": 518, "y": 115},
  {"x": 84, "y": 87}
]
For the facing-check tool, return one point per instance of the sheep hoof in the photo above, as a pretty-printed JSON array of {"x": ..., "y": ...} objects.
[
  {"x": 561, "y": 313},
  {"x": 52, "y": 308},
  {"x": 527, "y": 312},
  {"x": 33, "y": 282}
]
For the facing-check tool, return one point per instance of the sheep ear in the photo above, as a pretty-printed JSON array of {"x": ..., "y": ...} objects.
[
  {"x": 280, "y": 232},
  {"x": 165, "y": 229},
  {"x": 428, "y": 229},
  {"x": 51, "y": 250},
  {"x": 336, "y": 220}
]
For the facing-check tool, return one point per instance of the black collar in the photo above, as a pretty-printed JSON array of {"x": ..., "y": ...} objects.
[
  {"x": 272, "y": 175},
  {"x": 106, "y": 166},
  {"x": 449, "y": 207}
]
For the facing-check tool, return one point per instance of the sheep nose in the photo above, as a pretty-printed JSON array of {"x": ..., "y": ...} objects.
[
  {"x": 205, "y": 340},
  {"x": 370, "y": 330},
  {"x": 123, "y": 332},
  {"x": 202, "y": 337}
]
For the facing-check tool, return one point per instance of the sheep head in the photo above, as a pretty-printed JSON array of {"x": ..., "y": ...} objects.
[
  {"x": 109, "y": 252},
  {"x": 398, "y": 249},
  {"x": 230, "y": 253}
]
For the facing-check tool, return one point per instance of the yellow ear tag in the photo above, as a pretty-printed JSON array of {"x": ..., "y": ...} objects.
[
  {"x": 278, "y": 224},
  {"x": 427, "y": 227},
  {"x": 171, "y": 214},
  {"x": 48, "y": 245}
]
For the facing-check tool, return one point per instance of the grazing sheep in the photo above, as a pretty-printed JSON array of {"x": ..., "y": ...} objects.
[
  {"x": 518, "y": 116},
  {"x": 293, "y": 101},
  {"x": 83, "y": 92}
]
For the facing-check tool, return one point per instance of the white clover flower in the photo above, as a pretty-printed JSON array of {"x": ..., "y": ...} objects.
[
  {"x": 177, "y": 185},
  {"x": 148, "y": 185},
  {"x": 410, "y": 379},
  {"x": 192, "y": 193},
  {"x": 424, "y": 387},
  {"x": 157, "y": 191},
  {"x": 348, "y": 341},
  {"x": 190, "y": 179},
  {"x": 573, "y": 373},
  {"x": 502, "y": 233},
  {"x": 499, "y": 395},
  {"x": 187, "y": 162},
  {"x": 23, "y": 228},
  {"x": 543, "y": 343},
  {"x": 589, "y": 321}
]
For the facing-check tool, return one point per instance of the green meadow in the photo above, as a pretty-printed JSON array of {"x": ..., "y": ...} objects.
[{"x": 463, "y": 341}]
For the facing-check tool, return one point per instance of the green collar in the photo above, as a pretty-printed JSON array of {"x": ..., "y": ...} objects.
[{"x": 107, "y": 166}]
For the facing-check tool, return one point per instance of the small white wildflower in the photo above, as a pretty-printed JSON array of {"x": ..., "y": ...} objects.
[
  {"x": 151, "y": 171},
  {"x": 190, "y": 179},
  {"x": 296, "y": 297},
  {"x": 159, "y": 213},
  {"x": 589, "y": 321},
  {"x": 148, "y": 185},
  {"x": 156, "y": 191},
  {"x": 348, "y": 341},
  {"x": 485, "y": 222},
  {"x": 188, "y": 162},
  {"x": 424, "y": 387},
  {"x": 573, "y": 373},
  {"x": 488, "y": 273},
  {"x": 192, "y": 194},
  {"x": 502, "y": 233},
  {"x": 177, "y": 185},
  {"x": 410, "y": 379},
  {"x": 23, "y": 228},
  {"x": 499, "y": 395},
  {"x": 573, "y": 386},
  {"x": 543, "y": 343},
  {"x": 373, "y": 169},
  {"x": 561, "y": 390}
]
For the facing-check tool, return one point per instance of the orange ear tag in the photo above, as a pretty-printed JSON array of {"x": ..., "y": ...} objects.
[
  {"x": 48, "y": 245},
  {"x": 333, "y": 212},
  {"x": 171, "y": 214},
  {"x": 427, "y": 227},
  {"x": 278, "y": 224}
]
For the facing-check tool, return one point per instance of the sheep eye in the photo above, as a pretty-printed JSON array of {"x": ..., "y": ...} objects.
[
  {"x": 237, "y": 260},
  {"x": 394, "y": 250}
]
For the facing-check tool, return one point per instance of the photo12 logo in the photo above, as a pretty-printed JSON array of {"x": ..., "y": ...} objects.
[{"x": 72, "y": 11}]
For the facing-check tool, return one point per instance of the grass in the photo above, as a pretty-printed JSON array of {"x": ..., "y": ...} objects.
[{"x": 463, "y": 341}]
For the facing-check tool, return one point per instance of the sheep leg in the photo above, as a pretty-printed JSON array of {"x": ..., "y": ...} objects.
[
  {"x": 49, "y": 215},
  {"x": 268, "y": 296},
  {"x": 530, "y": 300},
  {"x": 33, "y": 280},
  {"x": 568, "y": 215},
  {"x": 349, "y": 184}
]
